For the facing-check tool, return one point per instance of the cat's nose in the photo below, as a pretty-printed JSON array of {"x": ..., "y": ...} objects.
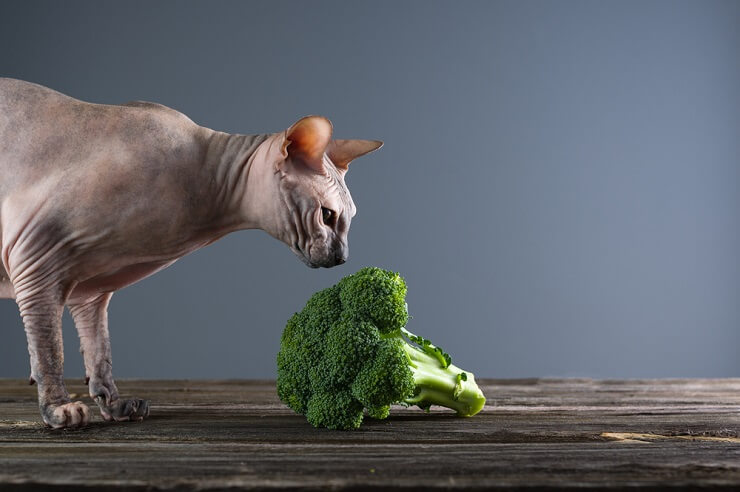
[{"x": 340, "y": 255}]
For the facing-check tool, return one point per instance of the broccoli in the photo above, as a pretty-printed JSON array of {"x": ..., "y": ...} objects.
[{"x": 348, "y": 352}]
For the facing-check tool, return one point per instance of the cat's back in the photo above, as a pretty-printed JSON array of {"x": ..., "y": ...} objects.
[
  {"x": 46, "y": 133},
  {"x": 23, "y": 104}
]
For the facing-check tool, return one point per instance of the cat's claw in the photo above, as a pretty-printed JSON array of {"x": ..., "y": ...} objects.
[
  {"x": 67, "y": 415},
  {"x": 123, "y": 410}
]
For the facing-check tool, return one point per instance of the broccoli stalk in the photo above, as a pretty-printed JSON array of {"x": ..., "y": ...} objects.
[{"x": 438, "y": 381}]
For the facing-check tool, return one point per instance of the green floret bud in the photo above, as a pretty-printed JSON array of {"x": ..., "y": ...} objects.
[
  {"x": 322, "y": 311},
  {"x": 385, "y": 379},
  {"x": 294, "y": 388},
  {"x": 375, "y": 295},
  {"x": 348, "y": 345},
  {"x": 379, "y": 413},
  {"x": 334, "y": 410}
]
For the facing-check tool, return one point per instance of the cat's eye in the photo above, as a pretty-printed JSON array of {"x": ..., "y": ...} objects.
[{"x": 327, "y": 216}]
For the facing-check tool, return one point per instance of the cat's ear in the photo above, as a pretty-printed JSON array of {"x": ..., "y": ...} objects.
[
  {"x": 342, "y": 152},
  {"x": 307, "y": 140}
]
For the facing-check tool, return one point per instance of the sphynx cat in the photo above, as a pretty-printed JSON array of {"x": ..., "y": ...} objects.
[{"x": 96, "y": 197}]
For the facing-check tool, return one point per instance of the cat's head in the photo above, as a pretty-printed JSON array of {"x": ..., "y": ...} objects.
[{"x": 318, "y": 207}]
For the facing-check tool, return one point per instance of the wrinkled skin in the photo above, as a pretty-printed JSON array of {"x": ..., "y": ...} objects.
[{"x": 96, "y": 197}]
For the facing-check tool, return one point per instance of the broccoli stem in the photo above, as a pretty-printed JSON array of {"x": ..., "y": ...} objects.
[
  {"x": 429, "y": 348},
  {"x": 443, "y": 385}
]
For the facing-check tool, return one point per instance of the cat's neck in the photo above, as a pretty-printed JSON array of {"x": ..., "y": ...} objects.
[{"x": 243, "y": 177}]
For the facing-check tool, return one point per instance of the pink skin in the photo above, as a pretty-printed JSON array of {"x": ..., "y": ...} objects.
[{"x": 97, "y": 197}]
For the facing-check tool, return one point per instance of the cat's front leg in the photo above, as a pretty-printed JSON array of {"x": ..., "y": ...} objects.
[
  {"x": 91, "y": 319},
  {"x": 41, "y": 311}
]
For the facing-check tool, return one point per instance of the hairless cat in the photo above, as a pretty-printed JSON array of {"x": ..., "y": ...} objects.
[{"x": 96, "y": 197}]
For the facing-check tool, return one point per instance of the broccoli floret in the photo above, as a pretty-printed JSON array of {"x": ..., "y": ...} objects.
[{"x": 348, "y": 353}]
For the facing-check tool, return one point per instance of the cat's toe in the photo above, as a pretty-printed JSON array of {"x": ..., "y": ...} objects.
[
  {"x": 124, "y": 410},
  {"x": 67, "y": 415}
]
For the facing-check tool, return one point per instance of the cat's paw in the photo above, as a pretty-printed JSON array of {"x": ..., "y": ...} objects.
[
  {"x": 123, "y": 410},
  {"x": 66, "y": 416}
]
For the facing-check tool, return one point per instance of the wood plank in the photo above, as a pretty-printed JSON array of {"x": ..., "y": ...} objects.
[{"x": 213, "y": 435}]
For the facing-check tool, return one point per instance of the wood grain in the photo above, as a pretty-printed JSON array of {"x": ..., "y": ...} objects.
[{"x": 217, "y": 435}]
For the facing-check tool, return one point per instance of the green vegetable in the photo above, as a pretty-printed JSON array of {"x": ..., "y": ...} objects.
[{"x": 348, "y": 352}]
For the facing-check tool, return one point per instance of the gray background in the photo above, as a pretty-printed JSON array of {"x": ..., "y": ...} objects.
[{"x": 559, "y": 184}]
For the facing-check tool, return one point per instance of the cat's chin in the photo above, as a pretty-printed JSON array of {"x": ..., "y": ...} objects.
[
  {"x": 312, "y": 264},
  {"x": 301, "y": 256},
  {"x": 308, "y": 262}
]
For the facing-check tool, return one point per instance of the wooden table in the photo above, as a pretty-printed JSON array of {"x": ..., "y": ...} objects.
[{"x": 236, "y": 434}]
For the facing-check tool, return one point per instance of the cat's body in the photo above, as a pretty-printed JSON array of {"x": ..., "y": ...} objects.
[{"x": 96, "y": 197}]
